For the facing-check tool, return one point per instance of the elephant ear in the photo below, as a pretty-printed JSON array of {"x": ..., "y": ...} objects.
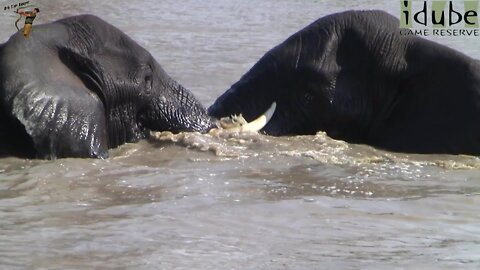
[
  {"x": 63, "y": 120},
  {"x": 86, "y": 69},
  {"x": 60, "y": 113},
  {"x": 63, "y": 117}
]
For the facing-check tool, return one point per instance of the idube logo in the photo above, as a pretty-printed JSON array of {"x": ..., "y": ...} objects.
[{"x": 439, "y": 18}]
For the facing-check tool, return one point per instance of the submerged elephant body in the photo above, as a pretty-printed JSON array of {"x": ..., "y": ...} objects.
[
  {"x": 79, "y": 86},
  {"x": 355, "y": 77}
]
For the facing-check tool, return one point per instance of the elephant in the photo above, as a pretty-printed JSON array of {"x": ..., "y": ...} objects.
[
  {"x": 354, "y": 76},
  {"x": 79, "y": 86}
]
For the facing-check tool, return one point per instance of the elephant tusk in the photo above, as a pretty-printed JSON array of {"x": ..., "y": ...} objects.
[{"x": 238, "y": 123}]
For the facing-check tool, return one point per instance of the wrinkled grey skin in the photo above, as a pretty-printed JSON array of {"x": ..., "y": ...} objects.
[
  {"x": 353, "y": 76},
  {"x": 79, "y": 86}
]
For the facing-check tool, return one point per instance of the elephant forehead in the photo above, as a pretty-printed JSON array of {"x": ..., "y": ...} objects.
[
  {"x": 123, "y": 62},
  {"x": 94, "y": 36},
  {"x": 117, "y": 55}
]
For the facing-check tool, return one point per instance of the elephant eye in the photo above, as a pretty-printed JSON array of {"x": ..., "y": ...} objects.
[{"x": 148, "y": 83}]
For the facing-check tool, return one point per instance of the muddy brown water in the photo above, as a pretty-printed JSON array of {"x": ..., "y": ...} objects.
[{"x": 196, "y": 201}]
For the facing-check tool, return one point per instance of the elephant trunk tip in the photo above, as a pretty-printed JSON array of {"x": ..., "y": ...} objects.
[
  {"x": 236, "y": 123},
  {"x": 205, "y": 125}
]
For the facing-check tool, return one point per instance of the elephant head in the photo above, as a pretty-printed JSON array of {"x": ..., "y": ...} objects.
[
  {"x": 355, "y": 76},
  {"x": 79, "y": 86}
]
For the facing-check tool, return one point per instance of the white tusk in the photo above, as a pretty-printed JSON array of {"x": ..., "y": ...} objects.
[{"x": 255, "y": 125}]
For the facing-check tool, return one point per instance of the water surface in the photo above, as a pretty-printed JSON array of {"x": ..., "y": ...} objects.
[{"x": 194, "y": 201}]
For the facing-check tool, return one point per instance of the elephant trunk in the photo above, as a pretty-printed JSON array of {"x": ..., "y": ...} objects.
[{"x": 177, "y": 110}]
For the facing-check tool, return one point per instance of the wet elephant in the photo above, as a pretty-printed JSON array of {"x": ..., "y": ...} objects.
[
  {"x": 79, "y": 86},
  {"x": 354, "y": 76}
]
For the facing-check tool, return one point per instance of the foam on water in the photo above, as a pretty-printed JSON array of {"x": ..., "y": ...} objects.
[{"x": 318, "y": 147}]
